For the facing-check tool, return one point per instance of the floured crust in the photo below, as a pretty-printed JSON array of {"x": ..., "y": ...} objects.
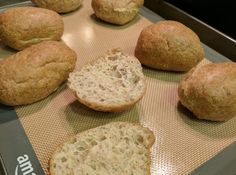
[
  {"x": 209, "y": 91},
  {"x": 59, "y": 5},
  {"x": 116, "y": 12},
  {"x": 142, "y": 135},
  {"x": 169, "y": 45},
  {"x": 112, "y": 83},
  {"x": 34, "y": 73},
  {"x": 21, "y": 27}
]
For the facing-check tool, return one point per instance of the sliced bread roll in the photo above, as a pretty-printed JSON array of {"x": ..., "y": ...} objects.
[
  {"x": 112, "y": 83},
  {"x": 118, "y": 148}
]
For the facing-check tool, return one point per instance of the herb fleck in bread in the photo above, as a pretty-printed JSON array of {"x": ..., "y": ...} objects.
[
  {"x": 113, "y": 82},
  {"x": 118, "y": 148}
]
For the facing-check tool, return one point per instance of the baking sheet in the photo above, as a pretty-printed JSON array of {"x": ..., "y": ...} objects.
[{"x": 182, "y": 142}]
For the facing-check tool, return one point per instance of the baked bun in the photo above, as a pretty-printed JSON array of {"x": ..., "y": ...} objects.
[
  {"x": 118, "y": 148},
  {"x": 60, "y": 6},
  {"x": 112, "y": 83},
  {"x": 209, "y": 91},
  {"x": 117, "y": 12},
  {"x": 169, "y": 45},
  {"x": 34, "y": 73},
  {"x": 21, "y": 27}
]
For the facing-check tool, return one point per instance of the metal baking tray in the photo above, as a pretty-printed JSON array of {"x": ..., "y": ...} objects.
[{"x": 183, "y": 143}]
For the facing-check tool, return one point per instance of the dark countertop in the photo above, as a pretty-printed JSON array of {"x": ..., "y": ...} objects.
[{"x": 218, "y": 14}]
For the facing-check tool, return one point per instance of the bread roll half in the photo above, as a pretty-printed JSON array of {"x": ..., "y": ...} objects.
[
  {"x": 169, "y": 45},
  {"x": 117, "y": 12},
  {"x": 112, "y": 83},
  {"x": 209, "y": 91},
  {"x": 21, "y": 27},
  {"x": 34, "y": 73},
  {"x": 118, "y": 148}
]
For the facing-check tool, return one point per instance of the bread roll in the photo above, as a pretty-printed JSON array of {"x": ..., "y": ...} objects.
[
  {"x": 59, "y": 6},
  {"x": 112, "y": 83},
  {"x": 169, "y": 45},
  {"x": 117, "y": 12},
  {"x": 34, "y": 73},
  {"x": 21, "y": 27},
  {"x": 118, "y": 148},
  {"x": 209, "y": 91}
]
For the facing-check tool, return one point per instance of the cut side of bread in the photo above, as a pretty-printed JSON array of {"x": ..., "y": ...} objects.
[
  {"x": 111, "y": 83},
  {"x": 118, "y": 148}
]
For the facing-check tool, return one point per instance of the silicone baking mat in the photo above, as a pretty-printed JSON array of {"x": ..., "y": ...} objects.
[{"x": 182, "y": 142}]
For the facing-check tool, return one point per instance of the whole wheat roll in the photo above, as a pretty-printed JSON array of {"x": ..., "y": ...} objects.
[
  {"x": 34, "y": 73},
  {"x": 209, "y": 91},
  {"x": 59, "y": 5},
  {"x": 169, "y": 45},
  {"x": 21, "y": 27},
  {"x": 116, "y": 12}
]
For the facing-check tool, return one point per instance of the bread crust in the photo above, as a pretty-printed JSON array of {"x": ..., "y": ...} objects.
[
  {"x": 209, "y": 91},
  {"x": 100, "y": 106},
  {"x": 150, "y": 142},
  {"x": 34, "y": 73},
  {"x": 21, "y": 27},
  {"x": 59, "y": 5},
  {"x": 169, "y": 45},
  {"x": 116, "y": 12}
]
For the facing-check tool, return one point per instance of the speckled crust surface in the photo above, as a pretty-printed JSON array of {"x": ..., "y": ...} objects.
[
  {"x": 182, "y": 142},
  {"x": 60, "y": 6},
  {"x": 34, "y": 73},
  {"x": 169, "y": 45},
  {"x": 209, "y": 91},
  {"x": 116, "y": 12},
  {"x": 21, "y": 27}
]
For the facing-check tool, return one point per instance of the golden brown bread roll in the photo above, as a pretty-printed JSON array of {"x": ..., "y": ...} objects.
[
  {"x": 169, "y": 45},
  {"x": 117, "y": 12},
  {"x": 34, "y": 73},
  {"x": 59, "y": 6},
  {"x": 21, "y": 27},
  {"x": 209, "y": 91}
]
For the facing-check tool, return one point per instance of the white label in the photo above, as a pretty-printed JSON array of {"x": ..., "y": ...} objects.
[{"x": 24, "y": 166}]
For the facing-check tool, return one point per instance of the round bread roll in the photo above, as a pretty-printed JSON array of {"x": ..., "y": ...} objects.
[
  {"x": 112, "y": 83},
  {"x": 117, "y": 12},
  {"x": 209, "y": 91},
  {"x": 169, "y": 45},
  {"x": 34, "y": 73},
  {"x": 59, "y": 6},
  {"x": 21, "y": 27}
]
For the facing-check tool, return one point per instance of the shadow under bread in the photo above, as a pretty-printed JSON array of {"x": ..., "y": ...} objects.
[
  {"x": 72, "y": 12},
  {"x": 35, "y": 107},
  {"x": 114, "y": 26},
  {"x": 212, "y": 129},
  {"x": 5, "y": 51},
  {"x": 163, "y": 75},
  {"x": 81, "y": 118}
]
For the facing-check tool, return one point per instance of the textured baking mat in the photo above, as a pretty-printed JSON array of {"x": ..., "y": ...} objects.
[{"x": 182, "y": 142}]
